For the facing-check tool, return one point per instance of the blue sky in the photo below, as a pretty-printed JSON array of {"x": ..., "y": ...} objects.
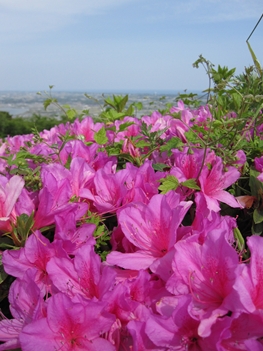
[{"x": 123, "y": 45}]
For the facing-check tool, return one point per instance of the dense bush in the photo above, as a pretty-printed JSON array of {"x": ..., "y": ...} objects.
[{"x": 11, "y": 126}]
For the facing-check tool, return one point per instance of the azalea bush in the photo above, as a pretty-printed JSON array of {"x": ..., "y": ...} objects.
[{"x": 130, "y": 233}]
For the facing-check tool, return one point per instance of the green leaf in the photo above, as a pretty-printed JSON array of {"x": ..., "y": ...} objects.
[
  {"x": 159, "y": 166},
  {"x": 130, "y": 111},
  {"x": 3, "y": 274},
  {"x": 122, "y": 103},
  {"x": 142, "y": 143},
  {"x": 190, "y": 136},
  {"x": 237, "y": 100},
  {"x": 239, "y": 239},
  {"x": 114, "y": 149},
  {"x": 191, "y": 184},
  {"x": 125, "y": 125},
  {"x": 85, "y": 112},
  {"x": 24, "y": 225},
  {"x": 220, "y": 100},
  {"x": 71, "y": 113},
  {"x": 168, "y": 183},
  {"x": 258, "y": 216},
  {"x": 172, "y": 143},
  {"x": 111, "y": 115},
  {"x": 127, "y": 157},
  {"x": 255, "y": 60},
  {"x": 257, "y": 229},
  {"x": 256, "y": 185},
  {"x": 46, "y": 103},
  {"x": 217, "y": 124},
  {"x": 100, "y": 137},
  {"x": 138, "y": 105},
  {"x": 109, "y": 102}
]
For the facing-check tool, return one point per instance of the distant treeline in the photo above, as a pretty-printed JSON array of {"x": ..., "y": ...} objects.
[{"x": 11, "y": 126}]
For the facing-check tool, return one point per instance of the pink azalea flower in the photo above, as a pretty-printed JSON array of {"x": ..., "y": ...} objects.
[
  {"x": 82, "y": 175},
  {"x": 18, "y": 141},
  {"x": 186, "y": 165},
  {"x": 203, "y": 226},
  {"x": 158, "y": 122},
  {"x": 86, "y": 127},
  {"x": 76, "y": 148},
  {"x": 213, "y": 182},
  {"x": 109, "y": 190},
  {"x": 142, "y": 183},
  {"x": 84, "y": 274},
  {"x": 9, "y": 334},
  {"x": 34, "y": 256},
  {"x": 129, "y": 148},
  {"x": 71, "y": 237},
  {"x": 151, "y": 228},
  {"x": 250, "y": 282},
  {"x": 10, "y": 190},
  {"x": 69, "y": 326},
  {"x": 54, "y": 197},
  {"x": 26, "y": 306},
  {"x": 208, "y": 272},
  {"x": 26, "y": 203},
  {"x": 259, "y": 164},
  {"x": 244, "y": 329},
  {"x": 119, "y": 242},
  {"x": 140, "y": 340},
  {"x": 132, "y": 130},
  {"x": 179, "y": 331},
  {"x": 186, "y": 114}
]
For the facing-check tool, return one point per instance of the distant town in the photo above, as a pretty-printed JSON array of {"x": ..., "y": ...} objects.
[{"x": 25, "y": 104}]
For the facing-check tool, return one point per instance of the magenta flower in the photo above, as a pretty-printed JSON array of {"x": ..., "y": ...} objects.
[
  {"x": 179, "y": 331},
  {"x": 82, "y": 275},
  {"x": 208, "y": 273},
  {"x": 151, "y": 228},
  {"x": 71, "y": 237},
  {"x": 76, "y": 148},
  {"x": 132, "y": 130},
  {"x": 26, "y": 306},
  {"x": 141, "y": 183},
  {"x": 187, "y": 165},
  {"x": 69, "y": 326},
  {"x": 82, "y": 175},
  {"x": 54, "y": 197},
  {"x": 244, "y": 330},
  {"x": 186, "y": 114},
  {"x": 250, "y": 282},
  {"x": 213, "y": 182},
  {"x": 259, "y": 164},
  {"x": 87, "y": 128},
  {"x": 34, "y": 257},
  {"x": 109, "y": 189}
]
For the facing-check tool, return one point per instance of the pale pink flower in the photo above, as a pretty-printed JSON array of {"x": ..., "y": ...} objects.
[{"x": 10, "y": 190}]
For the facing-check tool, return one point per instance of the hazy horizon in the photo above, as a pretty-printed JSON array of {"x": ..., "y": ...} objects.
[{"x": 26, "y": 104}]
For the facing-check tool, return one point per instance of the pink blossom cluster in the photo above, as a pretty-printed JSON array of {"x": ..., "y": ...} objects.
[{"x": 174, "y": 279}]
